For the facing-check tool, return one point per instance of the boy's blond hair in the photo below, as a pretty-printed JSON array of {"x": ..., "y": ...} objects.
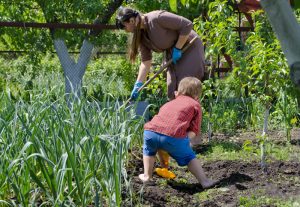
[{"x": 190, "y": 86}]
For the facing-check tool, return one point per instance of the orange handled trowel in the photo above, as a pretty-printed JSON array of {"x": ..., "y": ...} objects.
[
  {"x": 165, "y": 173},
  {"x": 164, "y": 160}
]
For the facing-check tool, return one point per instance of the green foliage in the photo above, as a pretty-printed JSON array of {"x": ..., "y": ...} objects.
[
  {"x": 266, "y": 63},
  {"x": 217, "y": 31},
  {"x": 155, "y": 93},
  {"x": 262, "y": 200},
  {"x": 70, "y": 156},
  {"x": 211, "y": 193},
  {"x": 40, "y": 40},
  {"x": 260, "y": 71},
  {"x": 188, "y": 8},
  {"x": 148, "y": 5},
  {"x": 295, "y": 4},
  {"x": 108, "y": 70},
  {"x": 104, "y": 75},
  {"x": 225, "y": 111},
  {"x": 173, "y": 5},
  {"x": 287, "y": 110}
]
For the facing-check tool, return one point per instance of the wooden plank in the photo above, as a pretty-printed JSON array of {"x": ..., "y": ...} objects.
[{"x": 26, "y": 25}]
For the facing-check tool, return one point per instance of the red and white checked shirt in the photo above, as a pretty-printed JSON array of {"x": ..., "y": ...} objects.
[{"x": 177, "y": 117}]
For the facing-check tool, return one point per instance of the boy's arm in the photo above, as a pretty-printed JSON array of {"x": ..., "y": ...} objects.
[
  {"x": 194, "y": 131},
  {"x": 191, "y": 134}
]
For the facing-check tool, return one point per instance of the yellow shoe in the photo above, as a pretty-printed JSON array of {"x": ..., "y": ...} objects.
[{"x": 165, "y": 173}]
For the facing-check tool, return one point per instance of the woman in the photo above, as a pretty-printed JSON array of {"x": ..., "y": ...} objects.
[{"x": 162, "y": 31}]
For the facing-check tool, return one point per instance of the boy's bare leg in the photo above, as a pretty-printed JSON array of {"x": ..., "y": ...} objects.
[
  {"x": 148, "y": 168},
  {"x": 196, "y": 169},
  {"x": 164, "y": 158}
]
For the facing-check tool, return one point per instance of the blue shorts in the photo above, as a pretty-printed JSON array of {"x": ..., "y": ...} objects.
[{"x": 178, "y": 148}]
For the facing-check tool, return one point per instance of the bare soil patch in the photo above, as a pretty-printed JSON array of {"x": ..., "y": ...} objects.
[{"x": 236, "y": 179}]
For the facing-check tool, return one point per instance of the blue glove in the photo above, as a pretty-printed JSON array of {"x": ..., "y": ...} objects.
[
  {"x": 176, "y": 54},
  {"x": 135, "y": 91}
]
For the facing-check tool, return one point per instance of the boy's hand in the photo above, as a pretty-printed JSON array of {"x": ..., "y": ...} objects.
[{"x": 195, "y": 141}]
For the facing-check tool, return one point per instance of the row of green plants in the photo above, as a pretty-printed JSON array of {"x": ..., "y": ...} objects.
[
  {"x": 226, "y": 107},
  {"x": 106, "y": 75},
  {"x": 58, "y": 155}
]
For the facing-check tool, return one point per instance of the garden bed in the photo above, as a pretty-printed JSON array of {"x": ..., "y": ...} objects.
[{"x": 242, "y": 182}]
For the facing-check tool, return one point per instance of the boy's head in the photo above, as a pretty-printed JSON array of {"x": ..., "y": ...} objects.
[{"x": 189, "y": 86}]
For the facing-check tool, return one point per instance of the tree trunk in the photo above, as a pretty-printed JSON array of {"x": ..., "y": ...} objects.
[
  {"x": 266, "y": 119},
  {"x": 287, "y": 29},
  {"x": 73, "y": 71},
  {"x": 263, "y": 141}
]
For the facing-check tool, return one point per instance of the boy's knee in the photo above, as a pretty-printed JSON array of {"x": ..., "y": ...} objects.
[{"x": 185, "y": 161}]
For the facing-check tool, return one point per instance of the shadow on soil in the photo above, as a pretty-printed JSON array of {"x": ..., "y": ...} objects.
[
  {"x": 234, "y": 179},
  {"x": 295, "y": 142},
  {"x": 208, "y": 148}
]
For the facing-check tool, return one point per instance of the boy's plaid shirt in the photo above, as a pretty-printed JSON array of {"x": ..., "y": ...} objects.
[{"x": 177, "y": 117}]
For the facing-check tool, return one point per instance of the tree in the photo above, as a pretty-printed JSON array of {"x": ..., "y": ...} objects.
[{"x": 287, "y": 29}]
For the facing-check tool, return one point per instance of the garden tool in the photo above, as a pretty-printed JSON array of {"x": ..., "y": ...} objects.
[
  {"x": 164, "y": 158},
  {"x": 165, "y": 173},
  {"x": 162, "y": 69}
]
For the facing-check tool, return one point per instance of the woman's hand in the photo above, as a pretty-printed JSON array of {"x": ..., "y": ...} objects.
[
  {"x": 176, "y": 51},
  {"x": 143, "y": 72},
  {"x": 135, "y": 92},
  {"x": 176, "y": 54}
]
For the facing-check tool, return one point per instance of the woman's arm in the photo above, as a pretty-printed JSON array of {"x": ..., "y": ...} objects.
[
  {"x": 144, "y": 70},
  {"x": 175, "y": 22},
  {"x": 181, "y": 41}
]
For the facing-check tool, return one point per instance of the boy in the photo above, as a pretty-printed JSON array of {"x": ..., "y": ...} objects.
[{"x": 170, "y": 130}]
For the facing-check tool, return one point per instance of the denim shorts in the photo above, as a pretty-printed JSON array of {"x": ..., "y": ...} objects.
[{"x": 178, "y": 148}]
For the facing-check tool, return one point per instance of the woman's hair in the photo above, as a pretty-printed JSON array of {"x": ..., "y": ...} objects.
[
  {"x": 123, "y": 15},
  {"x": 190, "y": 86}
]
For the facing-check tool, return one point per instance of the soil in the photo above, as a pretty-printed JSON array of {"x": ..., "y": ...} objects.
[{"x": 237, "y": 178}]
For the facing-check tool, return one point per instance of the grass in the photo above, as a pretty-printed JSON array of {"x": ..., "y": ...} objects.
[
  {"x": 262, "y": 200},
  {"x": 175, "y": 199},
  {"x": 210, "y": 194},
  {"x": 226, "y": 150}
]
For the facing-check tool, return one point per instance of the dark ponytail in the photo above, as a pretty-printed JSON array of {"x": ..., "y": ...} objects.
[{"x": 123, "y": 15}]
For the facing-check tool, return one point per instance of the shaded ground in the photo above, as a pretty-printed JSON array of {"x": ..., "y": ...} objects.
[{"x": 242, "y": 183}]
